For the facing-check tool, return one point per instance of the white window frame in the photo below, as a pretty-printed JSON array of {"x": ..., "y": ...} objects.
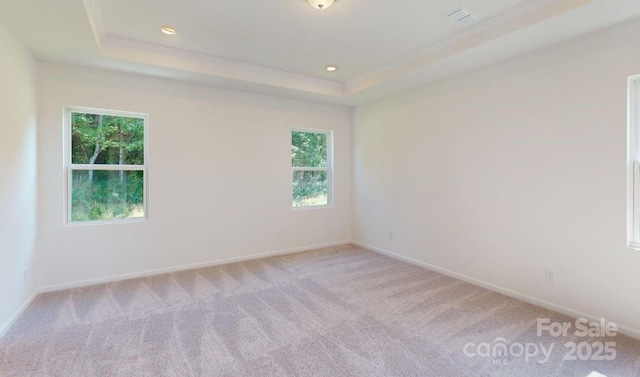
[
  {"x": 633, "y": 163},
  {"x": 69, "y": 166},
  {"x": 328, "y": 169}
]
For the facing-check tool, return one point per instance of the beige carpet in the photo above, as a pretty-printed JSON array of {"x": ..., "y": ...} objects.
[{"x": 332, "y": 312}]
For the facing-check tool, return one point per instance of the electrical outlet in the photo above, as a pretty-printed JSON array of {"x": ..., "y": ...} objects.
[
  {"x": 549, "y": 275},
  {"x": 278, "y": 235},
  {"x": 390, "y": 236}
]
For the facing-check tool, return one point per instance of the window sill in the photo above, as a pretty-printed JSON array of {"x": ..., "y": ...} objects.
[
  {"x": 106, "y": 222},
  {"x": 633, "y": 246},
  {"x": 306, "y": 208}
]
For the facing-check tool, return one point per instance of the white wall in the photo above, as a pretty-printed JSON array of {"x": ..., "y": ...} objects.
[
  {"x": 18, "y": 178},
  {"x": 503, "y": 172},
  {"x": 219, "y": 176}
]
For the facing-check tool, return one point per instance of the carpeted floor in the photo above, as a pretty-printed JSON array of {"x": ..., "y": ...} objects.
[{"x": 334, "y": 312}]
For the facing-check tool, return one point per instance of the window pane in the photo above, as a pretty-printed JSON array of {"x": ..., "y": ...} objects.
[
  {"x": 310, "y": 188},
  {"x": 106, "y": 195},
  {"x": 105, "y": 139},
  {"x": 309, "y": 149}
]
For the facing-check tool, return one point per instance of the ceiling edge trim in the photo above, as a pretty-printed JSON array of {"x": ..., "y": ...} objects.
[
  {"x": 514, "y": 19},
  {"x": 123, "y": 49},
  {"x": 509, "y": 21},
  {"x": 133, "y": 51},
  {"x": 94, "y": 13}
]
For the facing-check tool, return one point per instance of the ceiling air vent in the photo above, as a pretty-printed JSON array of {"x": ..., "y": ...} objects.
[{"x": 463, "y": 16}]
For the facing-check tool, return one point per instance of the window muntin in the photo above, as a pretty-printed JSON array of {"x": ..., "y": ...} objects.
[
  {"x": 311, "y": 168},
  {"x": 106, "y": 157}
]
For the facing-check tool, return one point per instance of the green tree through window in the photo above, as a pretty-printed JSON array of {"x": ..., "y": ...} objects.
[
  {"x": 107, "y": 166},
  {"x": 310, "y": 154}
]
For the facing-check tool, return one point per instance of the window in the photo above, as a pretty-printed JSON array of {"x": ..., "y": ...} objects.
[
  {"x": 633, "y": 164},
  {"x": 311, "y": 168},
  {"x": 105, "y": 157}
]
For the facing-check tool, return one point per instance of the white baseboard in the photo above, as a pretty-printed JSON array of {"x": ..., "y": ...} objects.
[
  {"x": 634, "y": 333},
  {"x": 109, "y": 279},
  {"x": 17, "y": 314}
]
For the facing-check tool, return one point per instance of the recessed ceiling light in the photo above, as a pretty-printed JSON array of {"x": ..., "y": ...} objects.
[
  {"x": 321, "y": 4},
  {"x": 331, "y": 68},
  {"x": 169, "y": 30}
]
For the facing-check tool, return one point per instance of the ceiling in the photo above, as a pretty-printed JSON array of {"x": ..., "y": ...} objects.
[
  {"x": 281, "y": 47},
  {"x": 289, "y": 35}
]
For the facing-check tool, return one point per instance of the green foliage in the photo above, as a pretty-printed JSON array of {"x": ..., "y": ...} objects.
[
  {"x": 310, "y": 188},
  {"x": 106, "y": 196},
  {"x": 309, "y": 149},
  {"x": 107, "y": 139}
]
